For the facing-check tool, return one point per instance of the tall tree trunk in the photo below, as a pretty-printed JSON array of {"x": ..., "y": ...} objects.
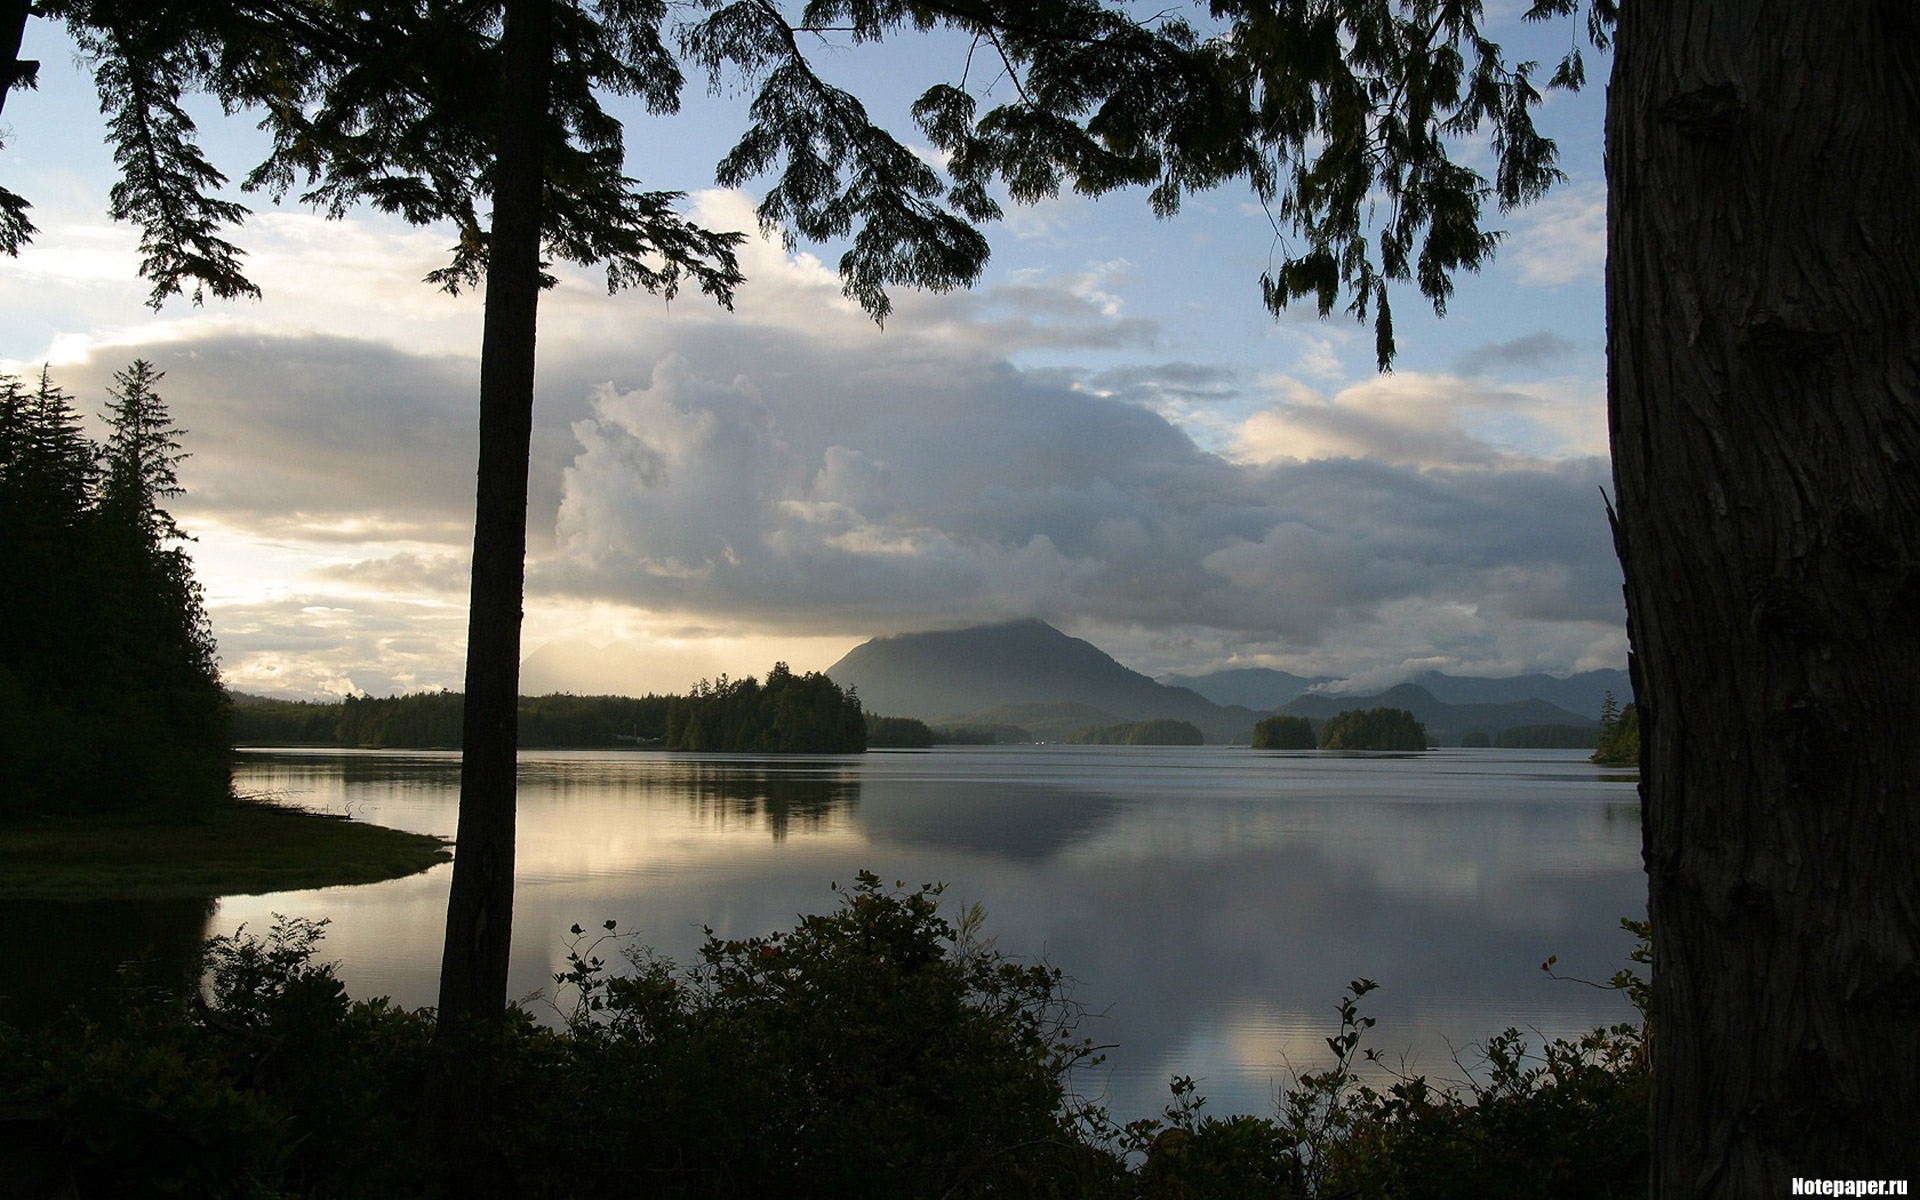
[
  {"x": 1763, "y": 311},
  {"x": 473, "y": 968}
]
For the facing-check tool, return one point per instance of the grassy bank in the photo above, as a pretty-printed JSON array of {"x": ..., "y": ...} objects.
[{"x": 246, "y": 847}]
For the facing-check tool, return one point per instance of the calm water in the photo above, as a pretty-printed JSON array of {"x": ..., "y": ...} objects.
[{"x": 1211, "y": 903}]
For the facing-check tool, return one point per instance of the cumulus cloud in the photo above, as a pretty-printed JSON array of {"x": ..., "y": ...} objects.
[
  {"x": 1563, "y": 238},
  {"x": 885, "y": 498}
]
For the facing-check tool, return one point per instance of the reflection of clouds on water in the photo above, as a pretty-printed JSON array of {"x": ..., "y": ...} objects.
[
  {"x": 1026, "y": 822},
  {"x": 1211, "y": 905}
]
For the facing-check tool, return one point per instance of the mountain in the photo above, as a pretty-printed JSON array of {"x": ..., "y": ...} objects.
[
  {"x": 1446, "y": 723},
  {"x": 955, "y": 676},
  {"x": 1261, "y": 689},
  {"x": 1582, "y": 693}
]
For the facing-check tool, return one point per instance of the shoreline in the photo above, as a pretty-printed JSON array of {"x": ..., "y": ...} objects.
[{"x": 249, "y": 846}]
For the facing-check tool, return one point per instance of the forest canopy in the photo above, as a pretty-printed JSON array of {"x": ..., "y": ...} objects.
[
  {"x": 1161, "y": 731},
  {"x": 1283, "y": 732},
  {"x": 1374, "y": 729}
]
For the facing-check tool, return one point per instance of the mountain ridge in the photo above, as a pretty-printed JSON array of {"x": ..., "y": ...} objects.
[{"x": 985, "y": 674}]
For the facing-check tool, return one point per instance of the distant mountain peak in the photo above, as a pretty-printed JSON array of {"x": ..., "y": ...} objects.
[{"x": 945, "y": 675}]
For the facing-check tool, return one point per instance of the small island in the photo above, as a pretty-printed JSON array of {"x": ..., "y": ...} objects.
[
  {"x": 1374, "y": 729},
  {"x": 1282, "y": 732}
]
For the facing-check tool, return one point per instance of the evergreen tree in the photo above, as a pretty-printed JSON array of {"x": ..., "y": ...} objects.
[{"x": 108, "y": 681}]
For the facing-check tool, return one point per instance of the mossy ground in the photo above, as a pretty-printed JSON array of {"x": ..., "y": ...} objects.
[{"x": 242, "y": 847}]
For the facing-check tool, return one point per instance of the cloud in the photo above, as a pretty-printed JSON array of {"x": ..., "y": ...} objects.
[
  {"x": 1561, "y": 239},
  {"x": 883, "y": 499},
  {"x": 1534, "y": 350},
  {"x": 317, "y": 436},
  {"x": 791, "y": 471},
  {"x": 1425, "y": 420}
]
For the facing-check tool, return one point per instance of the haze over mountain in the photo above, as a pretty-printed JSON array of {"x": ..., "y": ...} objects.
[
  {"x": 1446, "y": 723},
  {"x": 1264, "y": 689}
]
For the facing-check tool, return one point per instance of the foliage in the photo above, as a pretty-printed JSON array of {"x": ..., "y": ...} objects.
[
  {"x": 1476, "y": 740},
  {"x": 1373, "y": 729},
  {"x": 1569, "y": 1119},
  {"x": 1162, "y": 731},
  {"x": 1545, "y": 737},
  {"x": 109, "y": 688},
  {"x": 876, "y": 1050},
  {"x": 1282, "y": 732},
  {"x": 1618, "y": 744},
  {"x": 898, "y": 733},
  {"x": 789, "y": 714}
]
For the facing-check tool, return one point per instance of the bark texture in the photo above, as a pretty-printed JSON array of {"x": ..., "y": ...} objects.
[
  {"x": 473, "y": 970},
  {"x": 1763, "y": 309}
]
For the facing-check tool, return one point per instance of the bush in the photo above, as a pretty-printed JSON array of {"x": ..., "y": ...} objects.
[{"x": 877, "y": 1050}]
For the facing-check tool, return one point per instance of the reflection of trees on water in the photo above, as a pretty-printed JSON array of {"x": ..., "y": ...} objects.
[
  {"x": 807, "y": 797},
  {"x": 58, "y": 953},
  {"x": 336, "y": 767}
]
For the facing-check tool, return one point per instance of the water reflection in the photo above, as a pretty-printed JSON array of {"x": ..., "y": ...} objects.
[
  {"x": 58, "y": 953},
  {"x": 1211, "y": 904}
]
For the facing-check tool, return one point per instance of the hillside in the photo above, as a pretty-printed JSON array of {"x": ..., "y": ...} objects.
[
  {"x": 1446, "y": 723},
  {"x": 958, "y": 676}
]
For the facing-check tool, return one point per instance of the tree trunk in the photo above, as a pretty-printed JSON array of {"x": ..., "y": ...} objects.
[
  {"x": 13, "y": 28},
  {"x": 473, "y": 969},
  {"x": 1763, "y": 282}
]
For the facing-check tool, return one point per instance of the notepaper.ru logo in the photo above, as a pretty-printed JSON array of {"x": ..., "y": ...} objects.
[{"x": 1849, "y": 1187}]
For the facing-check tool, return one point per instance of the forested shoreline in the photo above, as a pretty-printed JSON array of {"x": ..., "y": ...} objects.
[{"x": 788, "y": 713}]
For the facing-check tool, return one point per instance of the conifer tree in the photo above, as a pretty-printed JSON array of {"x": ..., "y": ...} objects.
[{"x": 155, "y": 651}]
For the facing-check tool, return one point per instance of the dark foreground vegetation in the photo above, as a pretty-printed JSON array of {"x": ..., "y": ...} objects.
[{"x": 879, "y": 1050}]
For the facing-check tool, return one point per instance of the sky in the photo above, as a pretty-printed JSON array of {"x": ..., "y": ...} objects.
[{"x": 1108, "y": 431}]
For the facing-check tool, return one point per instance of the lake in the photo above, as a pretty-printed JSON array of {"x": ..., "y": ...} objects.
[{"x": 1210, "y": 903}]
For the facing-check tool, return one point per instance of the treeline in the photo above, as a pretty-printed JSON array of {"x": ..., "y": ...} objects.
[
  {"x": 789, "y": 714},
  {"x": 899, "y": 733},
  {"x": 110, "y": 694},
  {"x": 1282, "y": 732},
  {"x": 1374, "y": 729},
  {"x": 1160, "y": 732},
  {"x": 431, "y": 720},
  {"x": 1354, "y": 729}
]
